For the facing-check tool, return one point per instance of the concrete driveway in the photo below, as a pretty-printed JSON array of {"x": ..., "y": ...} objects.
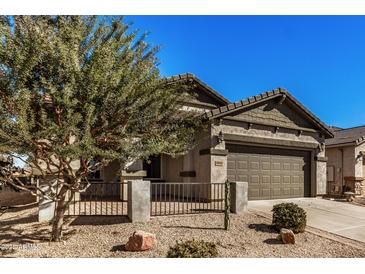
[{"x": 336, "y": 217}]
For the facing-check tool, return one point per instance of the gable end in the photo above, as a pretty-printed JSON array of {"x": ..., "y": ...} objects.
[{"x": 274, "y": 108}]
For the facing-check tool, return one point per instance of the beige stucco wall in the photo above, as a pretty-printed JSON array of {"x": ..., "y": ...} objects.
[
  {"x": 349, "y": 161},
  {"x": 359, "y": 160},
  {"x": 240, "y": 128},
  {"x": 334, "y": 156},
  {"x": 171, "y": 168},
  {"x": 346, "y": 163},
  {"x": 192, "y": 161},
  {"x": 320, "y": 174}
]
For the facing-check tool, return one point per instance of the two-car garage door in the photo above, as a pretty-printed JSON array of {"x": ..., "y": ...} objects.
[{"x": 271, "y": 173}]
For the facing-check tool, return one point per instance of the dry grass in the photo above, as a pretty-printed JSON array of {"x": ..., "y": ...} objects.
[{"x": 249, "y": 236}]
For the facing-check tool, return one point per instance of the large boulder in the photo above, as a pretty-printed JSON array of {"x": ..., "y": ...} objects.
[
  {"x": 141, "y": 241},
  {"x": 287, "y": 236}
]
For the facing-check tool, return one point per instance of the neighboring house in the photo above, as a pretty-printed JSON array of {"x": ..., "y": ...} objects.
[
  {"x": 346, "y": 164},
  {"x": 270, "y": 140}
]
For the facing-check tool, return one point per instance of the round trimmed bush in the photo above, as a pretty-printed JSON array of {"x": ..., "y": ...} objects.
[
  {"x": 193, "y": 249},
  {"x": 289, "y": 216}
]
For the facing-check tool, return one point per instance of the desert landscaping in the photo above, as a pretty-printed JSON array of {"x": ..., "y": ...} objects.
[
  {"x": 102, "y": 154},
  {"x": 249, "y": 235}
]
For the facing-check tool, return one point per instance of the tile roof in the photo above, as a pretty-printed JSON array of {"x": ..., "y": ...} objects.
[
  {"x": 279, "y": 92},
  {"x": 192, "y": 77},
  {"x": 348, "y": 136},
  {"x": 334, "y": 128}
]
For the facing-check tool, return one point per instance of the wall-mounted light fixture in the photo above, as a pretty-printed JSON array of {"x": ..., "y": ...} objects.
[{"x": 220, "y": 137}]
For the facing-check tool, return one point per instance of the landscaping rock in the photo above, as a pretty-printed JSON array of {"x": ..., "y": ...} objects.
[
  {"x": 287, "y": 236},
  {"x": 141, "y": 241}
]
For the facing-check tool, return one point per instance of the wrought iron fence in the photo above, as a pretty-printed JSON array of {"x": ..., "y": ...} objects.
[
  {"x": 167, "y": 198},
  {"x": 100, "y": 199},
  {"x": 186, "y": 198}
]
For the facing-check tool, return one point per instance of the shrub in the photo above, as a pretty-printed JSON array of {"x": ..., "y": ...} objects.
[
  {"x": 193, "y": 249},
  {"x": 290, "y": 216}
]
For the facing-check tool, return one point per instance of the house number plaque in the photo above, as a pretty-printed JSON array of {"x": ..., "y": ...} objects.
[{"x": 218, "y": 163}]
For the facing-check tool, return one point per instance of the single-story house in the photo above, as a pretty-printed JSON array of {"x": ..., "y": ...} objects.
[
  {"x": 269, "y": 140},
  {"x": 346, "y": 163}
]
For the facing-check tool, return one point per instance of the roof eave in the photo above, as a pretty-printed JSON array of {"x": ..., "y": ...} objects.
[
  {"x": 360, "y": 141},
  {"x": 213, "y": 92},
  {"x": 347, "y": 144},
  {"x": 251, "y": 101},
  {"x": 326, "y": 130}
]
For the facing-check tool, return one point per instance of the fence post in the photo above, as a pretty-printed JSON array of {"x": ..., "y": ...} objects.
[
  {"x": 139, "y": 200},
  {"x": 239, "y": 197}
]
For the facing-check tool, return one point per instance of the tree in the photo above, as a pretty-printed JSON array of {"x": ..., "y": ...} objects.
[{"x": 77, "y": 92}]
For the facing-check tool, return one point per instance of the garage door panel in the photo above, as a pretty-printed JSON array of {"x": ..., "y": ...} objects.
[
  {"x": 296, "y": 180},
  {"x": 276, "y": 179},
  {"x": 276, "y": 191},
  {"x": 255, "y": 179},
  {"x": 242, "y": 178},
  {"x": 270, "y": 173},
  {"x": 232, "y": 178},
  {"x": 275, "y": 165},
  {"x": 242, "y": 164},
  {"x": 286, "y": 191},
  {"x": 297, "y": 192},
  {"x": 231, "y": 164},
  {"x": 265, "y": 192},
  {"x": 253, "y": 192},
  {"x": 266, "y": 179},
  {"x": 255, "y": 165},
  {"x": 265, "y": 166},
  {"x": 286, "y": 179}
]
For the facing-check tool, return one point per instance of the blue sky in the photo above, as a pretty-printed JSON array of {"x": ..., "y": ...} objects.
[{"x": 319, "y": 59}]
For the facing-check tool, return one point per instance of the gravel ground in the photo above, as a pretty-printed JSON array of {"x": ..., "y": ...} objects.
[
  {"x": 359, "y": 201},
  {"x": 249, "y": 236}
]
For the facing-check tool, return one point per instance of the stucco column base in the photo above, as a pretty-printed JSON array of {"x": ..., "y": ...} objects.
[
  {"x": 46, "y": 207},
  {"x": 139, "y": 200},
  {"x": 239, "y": 197}
]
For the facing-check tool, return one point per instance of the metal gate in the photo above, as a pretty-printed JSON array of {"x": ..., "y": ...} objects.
[
  {"x": 186, "y": 198},
  {"x": 100, "y": 199}
]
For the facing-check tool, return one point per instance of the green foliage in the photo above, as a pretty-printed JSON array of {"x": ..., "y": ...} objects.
[
  {"x": 86, "y": 89},
  {"x": 193, "y": 249},
  {"x": 77, "y": 92},
  {"x": 290, "y": 216}
]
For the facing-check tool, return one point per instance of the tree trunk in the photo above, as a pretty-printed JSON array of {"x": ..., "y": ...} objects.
[{"x": 61, "y": 206}]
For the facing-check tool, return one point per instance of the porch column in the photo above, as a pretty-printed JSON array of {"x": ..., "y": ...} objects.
[{"x": 320, "y": 162}]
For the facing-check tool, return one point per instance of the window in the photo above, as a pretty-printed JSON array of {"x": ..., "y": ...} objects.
[{"x": 152, "y": 166}]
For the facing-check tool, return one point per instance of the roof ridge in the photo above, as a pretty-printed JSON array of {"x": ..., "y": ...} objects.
[
  {"x": 351, "y": 128},
  {"x": 192, "y": 76}
]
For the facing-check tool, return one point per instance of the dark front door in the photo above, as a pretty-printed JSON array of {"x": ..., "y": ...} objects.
[
  {"x": 153, "y": 167},
  {"x": 271, "y": 173}
]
